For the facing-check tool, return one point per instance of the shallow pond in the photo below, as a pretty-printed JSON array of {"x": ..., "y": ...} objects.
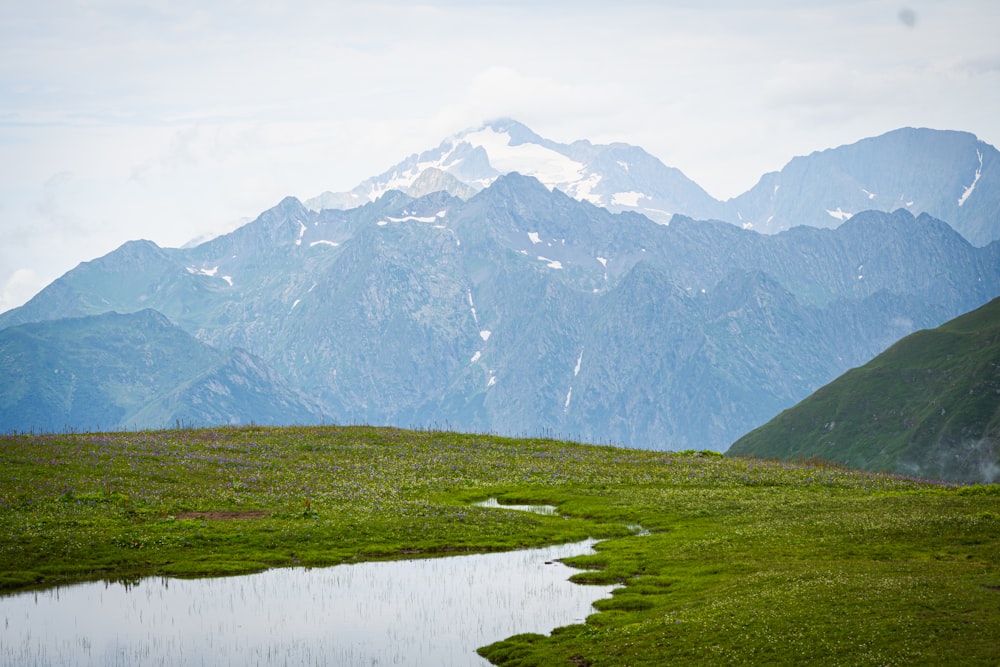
[
  {"x": 493, "y": 503},
  {"x": 415, "y": 612}
]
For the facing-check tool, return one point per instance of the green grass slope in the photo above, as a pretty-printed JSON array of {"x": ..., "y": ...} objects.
[
  {"x": 746, "y": 561},
  {"x": 928, "y": 406}
]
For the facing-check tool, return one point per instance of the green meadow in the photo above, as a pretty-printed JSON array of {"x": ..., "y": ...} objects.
[{"x": 745, "y": 561}]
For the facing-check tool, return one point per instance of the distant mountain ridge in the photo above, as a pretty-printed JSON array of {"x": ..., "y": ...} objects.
[
  {"x": 134, "y": 371},
  {"x": 523, "y": 310},
  {"x": 950, "y": 175},
  {"x": 928, "y": 406},
  {"x": 505, "y": 282}
]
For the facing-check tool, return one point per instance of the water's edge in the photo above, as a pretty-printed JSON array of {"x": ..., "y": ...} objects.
[{"x": 399, "y": 612}]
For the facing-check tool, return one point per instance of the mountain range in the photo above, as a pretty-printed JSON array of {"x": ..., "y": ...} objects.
[
  {"x": 928, "y": 406},
  {"x": 523, "y": 310},
  {"x": 950, "y": 175}
]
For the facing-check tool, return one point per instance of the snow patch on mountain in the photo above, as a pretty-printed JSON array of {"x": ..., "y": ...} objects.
[
  {"x": 627, "y": 198},
  {"x": 839, "y": 214},
  {"x": 472, "y": 307},
  {"x": 658, "y": 215},
  {"x": 398, "y": 182},
  {"x": 413, "y": 218},
  {"x": 212, "y": 273},
  {"x": 548, "y": 166},
  {"x": 583, "y": 190},
  {"x": 979, "y": 172}
]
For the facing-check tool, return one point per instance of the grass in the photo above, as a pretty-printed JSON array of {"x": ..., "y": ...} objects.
[
  {"x": 747, "y": 562},
  {"x": 930, "y": 403}
]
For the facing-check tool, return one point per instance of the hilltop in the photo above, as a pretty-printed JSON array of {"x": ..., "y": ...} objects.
[{"x": 928, "y": 406}]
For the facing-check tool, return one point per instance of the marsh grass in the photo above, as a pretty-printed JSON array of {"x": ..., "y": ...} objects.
[{"x": 746, "y": 561}]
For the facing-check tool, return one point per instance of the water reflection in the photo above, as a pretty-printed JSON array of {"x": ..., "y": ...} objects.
[
  {"x": 416, "y": 612},
  {"x": 493, "y": 503}
]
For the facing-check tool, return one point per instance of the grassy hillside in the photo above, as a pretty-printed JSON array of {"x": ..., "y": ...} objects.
[
  {"x": 747, "y": 561},
  {"x": 928, "y": 406}
]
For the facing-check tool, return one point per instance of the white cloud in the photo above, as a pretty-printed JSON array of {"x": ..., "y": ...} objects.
[
  {"x": 502, "y": 91},
  {"x": 20, "y": 286},
  {"x": 48, "y": 205}
]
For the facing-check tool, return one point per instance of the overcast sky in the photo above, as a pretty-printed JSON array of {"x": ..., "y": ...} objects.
[{"x": 126, "y": 119}]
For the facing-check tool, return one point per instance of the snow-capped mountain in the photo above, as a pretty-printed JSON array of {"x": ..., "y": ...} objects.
[
  {"x": 617, "y": 176},
  {"x": 451, "y": 290},
  {"x": 952, "y": 176}
]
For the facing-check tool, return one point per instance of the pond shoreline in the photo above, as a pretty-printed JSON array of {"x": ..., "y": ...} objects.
[{"x": 300, "y": 613}]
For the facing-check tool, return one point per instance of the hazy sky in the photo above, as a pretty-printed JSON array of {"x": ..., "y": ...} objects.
[{"x": 126, "y": 119}]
